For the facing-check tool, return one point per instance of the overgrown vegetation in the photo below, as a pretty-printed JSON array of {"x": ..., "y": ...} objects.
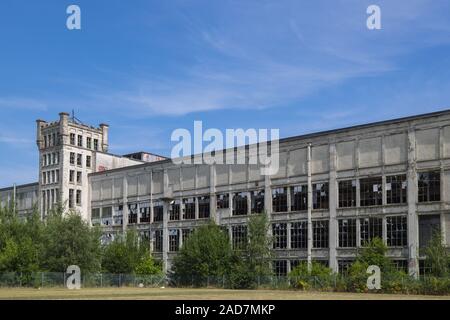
[{"x": 31, "y": 245}]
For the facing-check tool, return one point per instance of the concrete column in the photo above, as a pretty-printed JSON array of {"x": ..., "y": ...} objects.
[
  {"x": 288, "y": 198},
  {"x": 310, "y": 231},
  {"x": 333, "y": 195},
  {"x": 249, "y": 203},
  {"x": 165, "y": 246},
  {"x": 413, "y": 230},
  {"x": 212, "y": 194},
  {"x": 105, "y": 128},
  {"x": 288, "y": 229},
  {"x": 384, "y": 230},
  {"x": 125, "y": 204}
]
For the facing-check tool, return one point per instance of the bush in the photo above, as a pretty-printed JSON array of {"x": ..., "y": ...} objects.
[{"x": 320, "y": 277}]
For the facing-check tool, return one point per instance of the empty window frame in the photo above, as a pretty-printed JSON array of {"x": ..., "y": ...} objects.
[
  {"x": 279, "y": 199},
  {"x": 88, "y": 161},
  {"x": 203, "y": 207},
  {"x": 79, "y": 159},
  {"x": 72, "y": 158},
  {"x": 371, "y": 191},
  {"x": 132, "y": 213},
  {"x": 185, "y": 233},
  {"x": 175, "y": 209},
  {"x": 223, "y": 201},
  {"x": 280, "y": 268},
  {"x": 174, "y": 240},
  {"x": 71, "y": 176},
  {"x": 158, "y": 211},
  {"x": 240, "y": 204},
  {"x": 95, "y": 216},
  {"x": 295, "y": 263},
  {"x": 347, "y": 193},
  {"x": 397, "y": 231},
  {"x": 299, "y": 198},
  {"x": 72, "y": 139},
  {"x": 347, "y": 233},
  {"x": 257, "y": 201},
  {"x": 89, "y": 142},
  {"x": 95, "y": 144},
  {"x": 429, "y": 184},
  {"x": 299, "y": 235},
  {"x": 370, "y": 228},
  {"x": 320, "y": 234},
  {"x": 118, "y": 214},
  {"x": 279, "y": 234},
  {"x": 189, "y": 209},
  {"x": 80, "y": 140},
  {"x": 320, "y": 195},
  {"x": 396, "y": 189},
  {"x": 158, "y": 247},
  {"x": 144, "y": 210},
  {"x": 78, "y": 198},
  {"x": 344, "y": 266},
  {"x": 239, "y": 236},
  {"x": 79, "y": 177}
]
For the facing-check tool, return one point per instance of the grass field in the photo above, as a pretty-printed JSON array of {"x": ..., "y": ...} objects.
[{"x": 191, "y": 294}]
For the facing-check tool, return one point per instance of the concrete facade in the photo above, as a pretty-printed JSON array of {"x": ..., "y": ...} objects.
[{"x": 334, "y": 190}]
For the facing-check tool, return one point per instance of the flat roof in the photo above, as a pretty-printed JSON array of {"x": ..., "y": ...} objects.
[
  {"x": 20, "y": 186},
  {"x": 307, "y": 136}
]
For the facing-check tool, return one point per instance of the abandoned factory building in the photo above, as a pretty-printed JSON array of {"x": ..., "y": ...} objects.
[{"x": 333, "y": 192}]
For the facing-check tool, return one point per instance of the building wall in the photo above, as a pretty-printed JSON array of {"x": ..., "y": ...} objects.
[{"x": 404, "y": 147}]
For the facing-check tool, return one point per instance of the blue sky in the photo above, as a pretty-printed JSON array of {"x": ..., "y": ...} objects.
[{"x": 149, "y": 67}]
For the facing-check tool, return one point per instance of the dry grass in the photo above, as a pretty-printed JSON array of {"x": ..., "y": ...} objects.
[{"x": 191, "y": 294}]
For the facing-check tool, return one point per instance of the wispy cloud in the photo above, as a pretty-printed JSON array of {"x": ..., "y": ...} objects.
[{"x": 23, "y": 103}]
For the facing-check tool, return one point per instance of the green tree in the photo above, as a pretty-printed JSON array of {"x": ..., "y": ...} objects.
[
  {"x": 207, "y": 252},
  {"x": 69, "y": 240},
  {"x": 437, "y": 257},
  {"x": 251, "y": 261}
]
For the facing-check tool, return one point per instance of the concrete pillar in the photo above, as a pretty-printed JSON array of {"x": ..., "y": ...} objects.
[
  {"x": 125, "y": 204},
  {"x": 310, "y": 231},
  {"x": 212, "y": 194},
  {"x": 165, "y": 245},
  {"x": 413, "y": 230},
  {"x": 333, "y": 195},
  {"x": 288, "y": 230}
]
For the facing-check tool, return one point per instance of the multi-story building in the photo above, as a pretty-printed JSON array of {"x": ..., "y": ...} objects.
[{"x": 333, "y": 192}]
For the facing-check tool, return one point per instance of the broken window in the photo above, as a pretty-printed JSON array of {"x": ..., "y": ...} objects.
[
  {"x": 347, "y": 193},
  {"x": 370, "y": 228},
  {"x": 344, "y": 266},
  {"x": 95, "y": 216},
  {"x": 144, "y": 210},
  {"x": 279, "y": 199},
  {"x": 320, "y": 195},
  {"x": 158, "y": 247},
  {"x": 257, "y": 201},
  {"x": 239, "y": 236},
  {"x": 429, "y": 225},
  {"x": 347, "y": 233},
  {"x": 295, "y": 264},
  {"x": 396, "y": 189},
  {"x": 106, "y": 216},
  {"x": 78, "y": 199},
  {"x": 88, "y": 161},
  {"x": 72, "y": 158},
  {"x": 203, "y": 207},
  {"x": 299, "y": 198},
  {"x": 158, "y": 211},
  {"x": 299, "y": 235},
  {"x": 71, "y": 176},
  {"x": 279, "y": 233},
  {"x": 401, "y": 265},
  {"x": 397, "y": 231},
  {"x": 79, "y": 160},
  {"x": 320, "y": 234},
  {"x": 88, "y": 142},
  {"x": 223, "y": 201},
  {"x": 240, "y": 205},
  {"x": 185, "y": 234},
  {"x": 189, "y": 208},
  {"x": 174, "y": 213},
  {"x": 132, "y": 213},
  {"x": 95, "y": 144},
  {"x": 72, "y": 139},
  {"x": 280, "y": 268},
  {"x": 174, "y": 240},
  {"x": 118, "y": 214},
  {"x": 424, "y": 268},
  {"x": 429, "y": 184},
  {"x": 71, "y": 195},
  {"x": 371, "y": 191},
  {"x": 79, "y": 177},
  {"x": 80, "y": 140}
]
